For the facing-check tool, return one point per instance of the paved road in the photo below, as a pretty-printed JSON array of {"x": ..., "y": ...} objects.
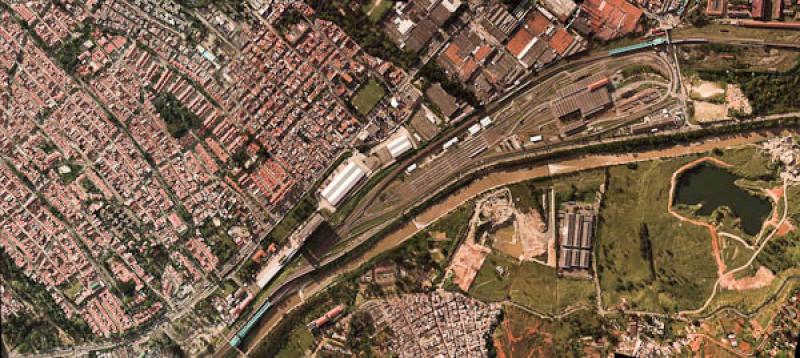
[
  {"x": 296, "y": 281},
  {"x": 289, "y": 287}
]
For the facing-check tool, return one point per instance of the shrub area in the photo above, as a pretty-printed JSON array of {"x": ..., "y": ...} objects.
[{"x": 179, "y": 119}]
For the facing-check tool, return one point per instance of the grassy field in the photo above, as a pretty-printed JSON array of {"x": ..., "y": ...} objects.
[
  {"x": 734, "y": 253},
  {"x": 368, "y": 96},
  {"x": 72, "y": 290},
  {"x": 376, "y": 9},
  {"x": 529, "y": 284},
  {"x": 793, "y": 192},
  {"x": 751, "y": 163},
  {"x": 521, "y": 334},
  {"x": 682, "y": 272},
  {"x": 581, "y": 186},
  {"x": 713, "y": 31},
  {"x": 300, "y": 340},
  {"x": 714, "y": 57}
]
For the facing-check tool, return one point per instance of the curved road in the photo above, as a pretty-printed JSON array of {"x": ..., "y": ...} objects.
[{"x": 300, "y": 279}]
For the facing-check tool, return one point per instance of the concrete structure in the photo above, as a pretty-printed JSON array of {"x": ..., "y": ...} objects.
[
  {"x": 582, "y": 99},
  {"x": 444, "y": 101},
  {"x": 474, "y": 129},
  {"x": 716, "y": 7},
  {"x": 609, "y": 19},
  {"x": 562, "y": 9}
]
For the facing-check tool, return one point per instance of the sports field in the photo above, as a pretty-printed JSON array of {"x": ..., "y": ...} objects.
[{"x": 368, "y": 96}]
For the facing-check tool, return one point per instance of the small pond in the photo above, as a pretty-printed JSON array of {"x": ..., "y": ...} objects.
[{"x": 714, "y": 187}]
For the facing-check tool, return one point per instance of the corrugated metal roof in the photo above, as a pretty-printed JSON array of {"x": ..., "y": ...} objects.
[
  {"x": 399, "y": 146},
  {"x": 341, "y": 184}
]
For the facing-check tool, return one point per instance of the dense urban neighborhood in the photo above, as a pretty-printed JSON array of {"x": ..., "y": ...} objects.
[{"x": 387, "y": 178}]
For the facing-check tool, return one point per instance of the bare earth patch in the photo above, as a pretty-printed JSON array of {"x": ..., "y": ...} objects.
[
  {"x": 505, "y": 240},
  {"x": 709, "y": 112},
  {"x": 762, "y": 278},
  {"x": 466, "y": 263},
  {"x": 775, "y": 194},
  {"x": 706, "y": 90},
  {"x": 737, "y": 100},
  {"x": 529, "y": 229},
  {"x": 785, "y": 228}
]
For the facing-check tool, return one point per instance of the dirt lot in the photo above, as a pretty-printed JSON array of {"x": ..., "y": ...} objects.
[
  {"x": 505, "y": 241},
  {"x": 706, "y": 90},
  {"x": 466, "y": 263},
  {"x": 762, "y": 278},
  {"x": 529, "y": 231},
  {"x": 423, "y": 126},
  {"x": 709, "y": 112}
]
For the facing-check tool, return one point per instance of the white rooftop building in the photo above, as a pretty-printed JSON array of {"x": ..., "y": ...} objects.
[
  {"x": 342, "y": 183},
  {"x": 399, "y": 145},
  {"x": 474, "y": 129}
]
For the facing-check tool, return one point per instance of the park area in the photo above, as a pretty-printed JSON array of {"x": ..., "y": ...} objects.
[{"x": 647, "y": 257}]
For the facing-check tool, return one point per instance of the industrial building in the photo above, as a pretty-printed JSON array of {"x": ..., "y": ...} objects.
[
  {"x": 413, "y": 24},
  {"x": 716, "y": 7},
  {"x": 399, "y": 146},
  {"x": 562, "y": 9},
  {"x": 608, "y": 19},
  {"x": 577, "y": 239},
  {"x": 663, "y": 120},
  {"x": 582, "y": 99},
  {"x": 446, "y": 103},
  {"x": 343, "y": 181},
  {"x": 541, "y": 39}
]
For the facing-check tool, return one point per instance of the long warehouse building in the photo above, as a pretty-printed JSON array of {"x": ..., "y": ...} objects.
[{"x": 342, "y": 183}]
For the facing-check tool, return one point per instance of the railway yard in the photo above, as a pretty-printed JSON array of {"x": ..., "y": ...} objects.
[
  {"x": 422, "y": 178},
  {"x": 645, "y": 90}
]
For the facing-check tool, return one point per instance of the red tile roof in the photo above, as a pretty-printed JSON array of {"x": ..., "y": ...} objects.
[
  {"x": 452, "y": 54},
  {"x": 758, "y": 9},
  {"x": 612, "y": 18},
  {"x": 537, "y": 23},
  {"x": 519, "y": 42},
  {"x": 468, "y": 69},
  {"x": 483, "y": 52},
  {"x": 561, "y": 40}
]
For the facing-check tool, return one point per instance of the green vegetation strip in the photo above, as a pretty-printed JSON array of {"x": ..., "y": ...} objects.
[{"x": 638, "y": 144}]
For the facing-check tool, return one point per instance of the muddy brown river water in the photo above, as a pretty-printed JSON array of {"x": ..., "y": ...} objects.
[{"x": 481, "y": 185}]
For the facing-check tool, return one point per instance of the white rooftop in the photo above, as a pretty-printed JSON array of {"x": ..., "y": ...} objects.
[
  {"x": 399, "y": 145},
  {"x": 342, "y": 183}
]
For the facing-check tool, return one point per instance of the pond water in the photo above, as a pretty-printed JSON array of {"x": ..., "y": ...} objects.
[{"x": 713, "y": 187}]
